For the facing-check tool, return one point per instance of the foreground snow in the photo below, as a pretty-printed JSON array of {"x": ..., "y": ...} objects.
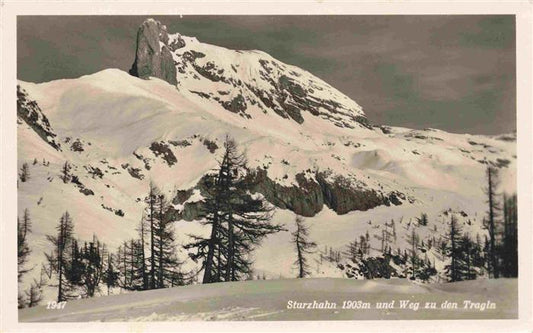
[{"x": 269, "y": 299}]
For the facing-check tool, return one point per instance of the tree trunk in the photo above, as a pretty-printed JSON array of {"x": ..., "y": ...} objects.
[
  {"x": 60, "y": 261},
  {"x": 143, "y": 258},
  {"x": 229, "y": 265},
  {"x": 300, "y": 257},
  {"x": 492, "y": 226},
  {"x": 161, "y": 228},
  {"x": 211, "y": 251},
  {"x": 152, "y": 251}
]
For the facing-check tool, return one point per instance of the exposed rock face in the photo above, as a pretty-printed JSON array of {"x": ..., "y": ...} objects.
[
  {"x": 307, "y": 198},
  {"x": 153, "y": 57},
  {"x": 29, "y": 111}
]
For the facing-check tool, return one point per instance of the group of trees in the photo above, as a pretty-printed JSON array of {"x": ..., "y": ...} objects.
[
  {"x": 74, "y": 266},
  {"x": 146, "y": 262},
  {"x": 502, "y": 225},
  {"x": 467, "y": 257},
  {"x": 24, "y": 173},
  {"x": 238, "y": 219},
  {"x": 80, "y": 268},
  {"x": 150, "y": 261},
  {"x": 388, "y": 236},
  {"x": 356, "y": 250},
  {"x": 497, "y": 255},
  {"x": 32, "y": 296}
]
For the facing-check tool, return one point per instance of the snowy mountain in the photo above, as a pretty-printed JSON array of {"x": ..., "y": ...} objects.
[{"x": 313, "y": 149}]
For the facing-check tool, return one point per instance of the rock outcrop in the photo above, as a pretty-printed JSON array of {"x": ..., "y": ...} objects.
[
  {"x": 29, "y": 111},
  {"x": 306, "y": 198},
  {"x": 153, "y": 57}
]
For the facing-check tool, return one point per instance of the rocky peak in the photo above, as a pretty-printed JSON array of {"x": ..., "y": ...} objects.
[
  {"x": 247, "y": 82},
  {"x": 153, "y": 57}
]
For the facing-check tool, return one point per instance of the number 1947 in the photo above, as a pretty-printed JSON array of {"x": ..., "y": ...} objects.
[{"x": 53, "y": 305}]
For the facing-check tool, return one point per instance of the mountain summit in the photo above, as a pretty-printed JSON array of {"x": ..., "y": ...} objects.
[
  {"x": 242, "y": 82},
  {"x": 153, "y": 57}
]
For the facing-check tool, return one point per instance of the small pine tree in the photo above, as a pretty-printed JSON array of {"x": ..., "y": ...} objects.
[
  {"x": 23, "y": 250},
  {"x": 111, "y": 276},
  {"x": 363, "y": 246},
  {"x": 413, "y": 241},
  {"x": 492, "y": 215},
  {"x": 454, "y": 270},
  {"x": 352, "y": 251},
  {"x": 24, "y": 175},
  {"x": 92, "y": 257},
  {"x": 65, "y": 172},
  {"x": 467, "y": 249},
  {"x": 303, "y": 247},
  {"x": 34, "y": 294},
  {"x": 423, "y": 219}
]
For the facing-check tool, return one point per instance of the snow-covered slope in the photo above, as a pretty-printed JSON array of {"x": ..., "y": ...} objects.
[
  {"x": 252, "y": 82},
  {"x": 269, "y": 300},
  {"x": 311, "y": 143}
]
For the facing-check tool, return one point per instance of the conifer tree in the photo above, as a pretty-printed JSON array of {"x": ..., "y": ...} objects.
[
  {"x": 352, "y": 250},
  {"x": 151, "y": 214},
  {"x": 303, "y": 246},
  {"x": 423, "y": 219},
  {"x": 24, "y": 172},
  {"x": 65, "y": 172},
  {"x": 59, "y": 257},
  {"x": 467, "y": 249},
  {"x": 238, "y": 220},
  {"x": 454, "y": 251},
  {"x": 413, "y": 241},
  {"x": 166, "y": 260},
  {"x": 34, "y": 294},
  {"x": 364, "y": 247},
  {"x": 111, "y": 276},
  {"x": 143, "y": 269},
  {"x": 134, "y": 265},
  {"x": 23, "y": 250},
  {"x": 121, "y": 267},
  {"x": 492, "y": 215},
  {"x": 75, "y": 266},
  {"x": 509, "y": 248},
  {"x": 92, "y": 256}
]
